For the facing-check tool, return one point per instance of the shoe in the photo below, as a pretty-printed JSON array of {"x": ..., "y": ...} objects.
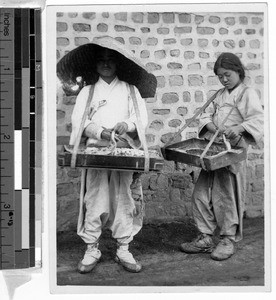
[
  {"x": 202, "y": 244},
  {"x": 91, "y": 258},
  {"x": 126, "y": 259},
  {"x": 225, "y": 248}
]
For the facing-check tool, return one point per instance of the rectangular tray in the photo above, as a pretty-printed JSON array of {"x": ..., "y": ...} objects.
[
  {"x": 189, "y": 152},
  {"x": 115, "y": 162}
]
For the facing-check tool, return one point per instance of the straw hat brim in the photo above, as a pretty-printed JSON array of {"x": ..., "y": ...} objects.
[{"x": 81, "y": 62}]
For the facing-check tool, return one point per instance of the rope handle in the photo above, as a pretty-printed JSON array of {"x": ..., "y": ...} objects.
[
  {"x": 171, "y": 140},
  {"x": 78, "y": 139},
  {"x": 140, "y": 131},
  {"x": 218, "y": 130}
]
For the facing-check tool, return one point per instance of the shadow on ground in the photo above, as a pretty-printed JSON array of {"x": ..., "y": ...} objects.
[{"x": 157, "y": 248}]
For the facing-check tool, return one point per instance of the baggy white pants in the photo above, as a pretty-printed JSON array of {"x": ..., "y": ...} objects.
[{"x": 108, "y": 202}]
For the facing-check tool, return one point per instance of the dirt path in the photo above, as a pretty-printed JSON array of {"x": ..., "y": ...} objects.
[{"x": 157, "y": 247}]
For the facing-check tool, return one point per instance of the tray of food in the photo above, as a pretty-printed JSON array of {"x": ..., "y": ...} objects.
[
  {"x": 104, "y": 158},
  {"x": 217, "y": 156}
]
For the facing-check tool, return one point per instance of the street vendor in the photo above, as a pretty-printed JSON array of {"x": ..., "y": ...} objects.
[
  {"x": 106, "y": 198},
  {"x": 219, "y": 196}
]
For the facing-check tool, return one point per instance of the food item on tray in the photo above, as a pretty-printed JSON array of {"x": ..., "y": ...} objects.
[{"x": 115, "y": 152}]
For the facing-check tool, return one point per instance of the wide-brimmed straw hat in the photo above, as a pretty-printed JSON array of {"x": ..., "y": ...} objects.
[{"x": 81, "y": 62}]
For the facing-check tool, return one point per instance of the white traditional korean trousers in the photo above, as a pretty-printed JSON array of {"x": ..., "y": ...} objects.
[
  {"x": 219, "y": 196},
  {"x": 106, "y": 198}
]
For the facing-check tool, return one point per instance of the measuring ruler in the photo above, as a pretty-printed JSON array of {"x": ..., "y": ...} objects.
[{"x": 20, "y": 89}]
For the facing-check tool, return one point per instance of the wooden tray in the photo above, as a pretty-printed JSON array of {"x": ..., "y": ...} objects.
[
  {"x": 189, "y": 152},
  {"x": 105, "y": 161}
]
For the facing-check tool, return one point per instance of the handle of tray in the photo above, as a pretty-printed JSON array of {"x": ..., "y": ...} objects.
[
  {"x": 218, "y": 130},
  {"x": 140, "y": 131},
  {"x": 78, "y": 139},
  {"x": 213, "y": 138},
  {"x": 171, "y": 140}
]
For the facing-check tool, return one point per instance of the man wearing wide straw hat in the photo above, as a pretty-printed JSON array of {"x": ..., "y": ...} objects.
[{"x": 110, "y": 73}]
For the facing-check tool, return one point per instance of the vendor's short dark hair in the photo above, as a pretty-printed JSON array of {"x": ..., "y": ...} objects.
[{"x": 230, "y": 61}]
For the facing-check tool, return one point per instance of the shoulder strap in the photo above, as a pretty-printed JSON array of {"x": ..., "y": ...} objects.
[
  {"x": 84, "y": 116},
  {"x": 212, "y": 98},
  {"x": 140, "y": 130}
]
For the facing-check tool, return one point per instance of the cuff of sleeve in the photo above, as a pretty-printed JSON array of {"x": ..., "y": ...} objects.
[
  {"x": 130, "y": 126},
  {"x": 96, "y": 130}
]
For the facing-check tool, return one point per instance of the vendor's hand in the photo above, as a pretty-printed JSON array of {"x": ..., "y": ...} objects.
[
  {"x": 234, "y": 132},
  {"x": 121, "y": 128},
  {"x": 106, "y": 134},
  {"x": 213, "y": 128}
]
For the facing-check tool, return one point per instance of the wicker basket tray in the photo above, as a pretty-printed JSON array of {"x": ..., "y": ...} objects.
[
  {"x": 217, "y": 157},
  {"x": 121, "y": 159}
]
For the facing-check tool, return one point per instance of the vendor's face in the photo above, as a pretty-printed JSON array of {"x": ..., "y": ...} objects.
[
  {"x": 228, "y": 78},
  {"x": 106, "y": 64}
]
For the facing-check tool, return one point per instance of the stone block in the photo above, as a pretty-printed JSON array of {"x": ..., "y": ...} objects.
[
  {"x": 191, "y": 135},
  {"x": 215, "y": 43},
  {"x": 81, "y": 27},
  {"x": 62, "y": 41},
  {"x": 168, "y": 17},
  {"x": 74, "y": 173},
  {"x": 161, "y": 111},
  {"x": 189, "y": 54},
  {"x": 60, "y": 14},
  {"x": 145, "y": 54},
  {"x": 163, "y": 181},
  {"x": 253, "y": 66},
  {"x": 182, "y": 111},
  {"x": 261, "y": 31},
  {"x": 198, "y": 96},
  {"x": 145, "y": 29},
  {"x": 186, "y": 96},
  {"x": 60, "y": 114},
  {"x": 181, "y": 30},
  {"x": 168, "y": 98},
  {"x": 69, "y": 100},
  {"x": 174, "y": 195},
  {"x": 255, "y": 44},
  {"x": 163, "y": 30},
  {"x": 242, "y": 43},
  {"x": 62, "y": 26},
  {"x": 152, "y": 41},
  {"x": 160, "y": 54},
  {"x": 212, "y": 80},
  {"x": 105, "y": 15},
  {"x": 214, "y": 19},
  {"x": 194, "y": 66},
  {"x": 258, "y": 186},
  {"x": 230, "y": 44},
  {"x": 174, "y": 66},
  {"x": 121, "y": 16},
  {"x": 169, "y": 41},
  {"x": 89, "y": 15},
  {"x": 81, "y": 41},
  {"x": 176, "y": 80},
  {"x": 161, "y": 81},
  {"x": 184, "y": 18},
  {"x": 174, "y": 123},
  {"x": 202, "y": 43},
  {"x": 102, "y": 27},
  {"x": 150, "y": 138},
  {"x": 210, "y": 65},
  {"x": 238, "y": 31},
  {"x": 153, "y": 18},
  {"x": 122, "y": 28},
  {"x": 250, "y": 31},
  {"x": 243, "y": 20},
  {"x": 157, "y": 125},
  {"x": 153, "y": 67},
  {"x": 251, "y": 55},
  {"x": 199, "y": 19},
  {"x": 251, "y": 213},
  {"x": 194, "y": 123},
  {"x": 259, "y": 79},
  {"x": 230, "y": 21},
  {"x": 135, "y": 41},
  {"x": 259, "y": 171},
  {"x": 204, "y": 55},
  {"x": 223, "y": 31},
  {"x": 153, "y": 182},
  {"x": 195, "y": 80},
  {"x": 166, "y": 137},
  {"x": 137, "y": 17},
  {"x": 120, "y": 39},
  {"x": 256, "y": 20},
  {"x": 175, "y": 52},
  {"x": 205, "y": 30},
  {"x": 186, "y": 42}
]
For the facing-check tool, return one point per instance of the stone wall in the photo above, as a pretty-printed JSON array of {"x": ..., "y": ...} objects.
[{"x": 180, "y": 50}]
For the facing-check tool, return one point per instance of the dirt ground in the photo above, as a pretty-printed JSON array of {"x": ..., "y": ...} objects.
[{"x": 157, "y": 248}]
